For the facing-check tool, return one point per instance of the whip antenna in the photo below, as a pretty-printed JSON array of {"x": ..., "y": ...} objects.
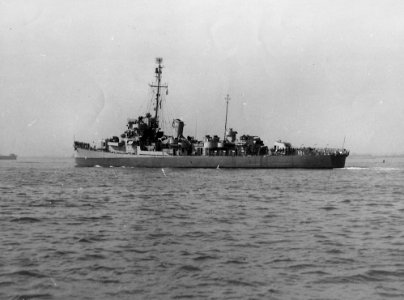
[{"x": 227, "y": 107}]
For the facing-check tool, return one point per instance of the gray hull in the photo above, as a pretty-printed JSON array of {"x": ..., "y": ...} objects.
[
  {"x": 91, "y": 158},
  {"x": 8, "y": 157}
]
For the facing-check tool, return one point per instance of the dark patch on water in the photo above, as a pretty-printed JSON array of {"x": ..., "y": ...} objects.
[
  {"x": 33, "y": 296},
  {"x": 239, "y": 282},
  {"x": 316, "y": 272},
  {"x": 204, "y": 257},
  {"x": 278, "y": 260},
  {"x": 301, "y": 266},
  {"x": 26, "y": 273},
  {"x": 89, "y": 257},
  {"x": 184, "y": 296},
  {"x": 84, "y": 240},
  {"x": 384, "y": 274},
  {"x": 329, "y": 207},
  {"x": 335, "y": 251},
  {"x": 6, "y": 283},
  {"x": 189, "y": 268},
  {"x": 140, "y": 251},
  {"x": 24, "y": 220}
]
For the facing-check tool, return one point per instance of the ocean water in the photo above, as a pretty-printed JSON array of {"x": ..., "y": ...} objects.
[{"x": 121, "y": 233}]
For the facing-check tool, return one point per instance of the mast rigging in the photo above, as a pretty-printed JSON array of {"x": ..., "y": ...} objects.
[
  {"x": 159, "y": 86},
  {"x": 227, "y": 98}
]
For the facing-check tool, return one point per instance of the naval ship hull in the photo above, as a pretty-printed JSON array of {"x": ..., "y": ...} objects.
[
  {"x": 8, "y": 157},
  {"x": 92, "y": 158},
  {"x": 145, "y": 145}
]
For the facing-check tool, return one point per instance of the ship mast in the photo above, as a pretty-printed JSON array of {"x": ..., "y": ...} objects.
[
  {"x": 159, "y": 86},
  {"x": 227, "y": 98}
]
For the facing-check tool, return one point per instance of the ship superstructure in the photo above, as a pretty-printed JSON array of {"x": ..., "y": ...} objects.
[{"x": 145, "y": 144}]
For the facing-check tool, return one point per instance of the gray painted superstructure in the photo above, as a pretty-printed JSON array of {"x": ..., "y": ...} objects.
[{"x": 145, "y": 145}]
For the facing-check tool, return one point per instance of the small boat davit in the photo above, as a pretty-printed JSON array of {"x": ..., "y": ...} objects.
[{"x": 144, "y": 145}]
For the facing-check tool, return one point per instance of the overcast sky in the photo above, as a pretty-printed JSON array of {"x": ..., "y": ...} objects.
[{"x": 309, "y": 72}]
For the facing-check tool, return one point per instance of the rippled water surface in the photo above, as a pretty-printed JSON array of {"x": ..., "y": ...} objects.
[{"x": 120, "y": 233}]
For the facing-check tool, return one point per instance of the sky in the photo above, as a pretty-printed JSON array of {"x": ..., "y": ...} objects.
[{"x": 314, "y": 73}]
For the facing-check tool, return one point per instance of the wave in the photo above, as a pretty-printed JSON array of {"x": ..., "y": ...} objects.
[
  {"x": 204, "y": 257},
  {"x": 239, "y": 282},
  {"x": 369, "y": 276},
  {"x": 328, "y": 207},
  {"x": 32, "y": 296},
  {"x": 302, "y": 266},
  {"x": 25, "y": 220},
  {"x": 386, "y": 169},
  {"x": 373, "y": 168},
  {"x": 189, "y": 268},
  {"x": 27, "y": 273}
]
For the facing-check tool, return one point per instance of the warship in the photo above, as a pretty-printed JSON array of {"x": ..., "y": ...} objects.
[
  {"x": 11, "y": 156},
  {"x": 145, "y": 145}
]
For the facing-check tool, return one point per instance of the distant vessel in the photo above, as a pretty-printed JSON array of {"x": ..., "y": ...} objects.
[
  {"x": 144, "y": 144},
  {"x": 8, "y": 157}
]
